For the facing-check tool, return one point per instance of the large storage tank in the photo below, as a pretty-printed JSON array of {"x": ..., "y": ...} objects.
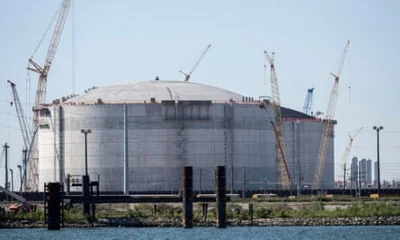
[
  {"x": 303, "y": 134},
  {"x": 157, "y": 127}
]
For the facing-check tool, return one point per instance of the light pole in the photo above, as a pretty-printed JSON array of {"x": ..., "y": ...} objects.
[
  {"x": 12, "y": 180},
  {"x": 377, "y": 129},
  {"x": 86, "y": 132},
  {"x": 20, "y": 177}
]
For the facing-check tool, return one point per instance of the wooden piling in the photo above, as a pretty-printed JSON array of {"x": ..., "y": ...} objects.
[
  {"x": 251, "y": 212},
  {"x": 86, "y": 195},
  {"x": 53, "y": 206},
  {"x": 93, "y": 204},
  {"x": 188, "y": 197},
  {"x": 154, "y": 209},
  {"x": 204, "y": 207},
  {"x": 220, "y": 188}
]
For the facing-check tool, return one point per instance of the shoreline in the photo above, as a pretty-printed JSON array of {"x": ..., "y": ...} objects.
[{"x": 235, "y": 222}]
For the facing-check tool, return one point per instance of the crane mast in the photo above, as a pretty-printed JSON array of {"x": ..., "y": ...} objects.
[
  {"x": 26, "y": 134},
  {"x": 307, "y": 108},
  {"x": 328, "y": 126},
  {"x": 41, "y": 90},
  {"x": 188, "y": 75},
  {"x": 283, "y": 170}
]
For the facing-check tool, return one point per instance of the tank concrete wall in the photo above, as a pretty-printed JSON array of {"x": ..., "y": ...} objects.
[
  {"x": 161, "y": 139},
  {"x": 303, "y": 139}
]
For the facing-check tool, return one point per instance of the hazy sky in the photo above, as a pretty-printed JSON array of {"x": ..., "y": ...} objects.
[{"x": 119, "y": 41}]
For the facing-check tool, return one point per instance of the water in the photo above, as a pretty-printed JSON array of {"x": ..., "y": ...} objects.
[{"x": 292, "y": 233}]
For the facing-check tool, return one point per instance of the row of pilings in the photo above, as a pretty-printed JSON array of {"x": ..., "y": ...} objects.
[{"x": 54, "y": 199}]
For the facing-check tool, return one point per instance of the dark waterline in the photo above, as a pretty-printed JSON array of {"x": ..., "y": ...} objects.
[{"x": 292, "y": 233}]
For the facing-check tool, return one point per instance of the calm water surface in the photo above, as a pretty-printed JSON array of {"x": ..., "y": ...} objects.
[{"x": 292, "y": 233}]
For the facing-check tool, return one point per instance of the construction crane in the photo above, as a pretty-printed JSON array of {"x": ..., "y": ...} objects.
[
  {"x": 328, "y": 126},
  {"x": 26, "y": 134},
  {"x": 346, "y": 154},
  {"x": 262, "y": 105},
  {"x": 307, "y": 108},
  {"x": 41, "y": 90},
  {"x": 187, "y": 75},
  {"x": 29, "y": 155},
  {"x": 283, "y": 170}
]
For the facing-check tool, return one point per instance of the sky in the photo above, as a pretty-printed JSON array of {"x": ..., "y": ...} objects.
[{"x": 109, "y": 42}]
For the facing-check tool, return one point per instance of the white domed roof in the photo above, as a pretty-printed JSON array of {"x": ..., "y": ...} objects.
[{"x": 160, "y": 90}]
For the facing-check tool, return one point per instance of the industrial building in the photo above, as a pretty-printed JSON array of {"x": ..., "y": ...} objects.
[
  {"x": 361, "y": 173},
  {"x": 143, "y": 133},
  {"x": 354, "y": 173},
  {"x": 369, "y": 171}
]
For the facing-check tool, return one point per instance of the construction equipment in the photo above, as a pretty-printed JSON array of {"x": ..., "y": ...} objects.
[
  {"x": 40, "y": 98},
  {"x": 307, "y": 108},
  {"x": 51, "y": 52},
  {"x": 346, "y": 154},
  {"x": 26, "y": 134},
  {"x": 22, "y": 203},
  {"x": 283, "y": 171},
  {"x": 276, "y": 137},
  {"x": 328, "y": 126},
  {"x": 187, "y": 75},
  {"x": 29, "y": 156}
]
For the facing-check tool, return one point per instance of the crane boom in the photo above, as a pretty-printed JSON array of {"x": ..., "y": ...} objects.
[
  {"x": 188, "y": 75},
  {"x": 307, "y": 108},
  {"x": 328, "y": 126},
  {"x": 347, "y": 151},
  {"x": 32, "y": 183},
  {"x": 55, "y": 40},
  {"x": 283, "y": 170},
  {"x": 51, "y": 52},
  {"x": 26, "y": 134}
]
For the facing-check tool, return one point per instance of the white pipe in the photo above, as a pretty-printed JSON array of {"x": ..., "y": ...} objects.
[{"x": 126, "y": 166}]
